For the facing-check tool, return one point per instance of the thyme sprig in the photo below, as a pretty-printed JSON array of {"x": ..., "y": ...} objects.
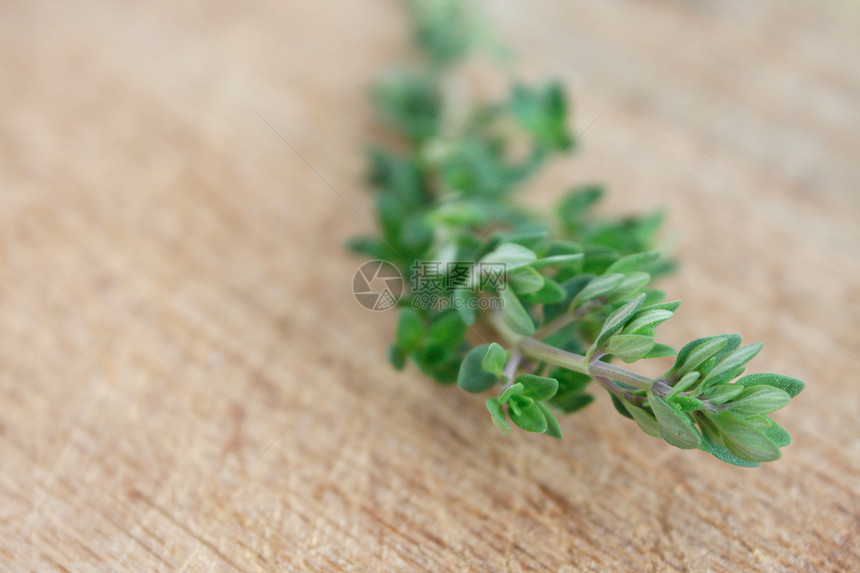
[{"x": 576, "y": 291}]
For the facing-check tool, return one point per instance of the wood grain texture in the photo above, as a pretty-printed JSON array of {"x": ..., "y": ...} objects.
[{"x": 174, "y": 296}]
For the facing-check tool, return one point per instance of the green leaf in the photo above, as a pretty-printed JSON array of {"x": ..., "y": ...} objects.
[
  {"x": 512, "y": 390},
  {"x": 791, "y": 386},
  {"x": 696, "y": 353},
  {"x": 659, "y": 351},
  {"x": 446, "y": 333},
  {"x": 720, "y": 452},
  {"x": 634, "y": 262},
  {"x": 516, "y": 403},
  {"x": 410, "y": 330},
  {"x": 617, "y": 320},
  {"x": 630, "y": 347},
  {"x": 632, "y": 284},
  {"x": 758, "y": 400},
  {"x": 687, "y": 404},
  {"x": 571, "y": 385},
  {"x": 552, "y": 427},
  {"x": 646, "y": 320},
  {"x": 537, "y": 387},
  {"x": 443, "y": 28},
  {"x": 409, "y": 104},
  {"x": 575, "y": 204},
  {"x": 495, "y": 359},
  {"x": 396, "y": 357},
  {"x": 645, "y": 420},
  {"x": 572, "y": 401},
  {"x": 558, "y": 260},
  {"x": 543, "y": 113},
  {"x": 778, "y": 435},
  {"x": 472, "y": 377},
  {"x": 528, "y": 415},
  {"x": 721, "y": 393},
  {"x": 525, "y": 280},
  {"x": 743, "y": 439},
  {"x": 675, "y": 427},
  {"x": 515, "y": 315},
  {"x": 619, "y": 405},
  {"x": 731, "y": 365},
  {"x": 550, "y": 293},
  {"x": 498, "y": 414},
  {"x": 416, "y": 233},
  {"x": 512, "y": 255},
  {"x": 682, "y": 384},
  {"x": 598, "y": 286},
  {"x": 670, "y": 306},
  {"x": 653, "y": 296},
  {"x": 733, "y": 342},
  {"x": 760, "y": 421}
]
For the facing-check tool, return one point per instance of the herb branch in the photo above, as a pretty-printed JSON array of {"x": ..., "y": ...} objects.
[{"x": 576, "y": 288}]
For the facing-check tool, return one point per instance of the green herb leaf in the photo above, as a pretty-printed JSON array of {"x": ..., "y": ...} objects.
[
  {"x": 617, "y": 320},
  {"x": 778, "y": 435},
  {"x": 630, "y": 286},
  {"x": 731, "y": 364},
  {"x": 513, "y": 390},
  {"x": 619, "y": 406},
  {"x": 630, "y": 347},
  {"x": 574, "y": 206},
  {"x": 472, "y": 377},
  {"x": 528, "y": 415},
  {"x": 396, "y": 357},
  {"x": 525, "y": 280},
  {"x": 696, "y": 353},
  {"x": 687, "y": 404},
  {"x": 515, "y": 315},
  {"x": 721, "y": 393},
  {"x": 543, "y": 113},
  {"x": 512, "y": 255},
  {"x": 719, "y": 451},
  {"x": 410, "y": 330},
  {"x": 646, "y": 320},
  {"x": 572, "y": 401},
  {"x": 659, "y": 351},
  {"x": 743, "y": 439},
  {"x": 498, "y": 414},
  {"x": 634, "y": 262},
  {"x": 551, "y": 292},
  {"x": 647, "y": 422},
  {"x": 558, "y": 260},
  {"x": 598, "y": 286},
  {"x": 758, "y": 400},
  {"x": 494, "y": 359},
  {"x": 537, "y": 387},
  {"x": 675, "y": 427},
  {"x": 791, "y": 386},
  {"x": 552, "y": 427}
]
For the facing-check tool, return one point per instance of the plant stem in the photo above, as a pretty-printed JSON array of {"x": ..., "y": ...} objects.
[
  {"x": 536, "y": 349},
  {"x": 579, "y": 363}
]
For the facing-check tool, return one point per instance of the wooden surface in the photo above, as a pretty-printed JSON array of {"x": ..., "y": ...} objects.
[{"x": 174, "y": 296}]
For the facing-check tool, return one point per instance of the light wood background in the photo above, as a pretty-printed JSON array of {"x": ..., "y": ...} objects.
[{"x": 174, "y": 295}]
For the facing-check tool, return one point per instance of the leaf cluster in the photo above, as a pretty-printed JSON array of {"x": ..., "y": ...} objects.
[{"x": 576, "y": 292}]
